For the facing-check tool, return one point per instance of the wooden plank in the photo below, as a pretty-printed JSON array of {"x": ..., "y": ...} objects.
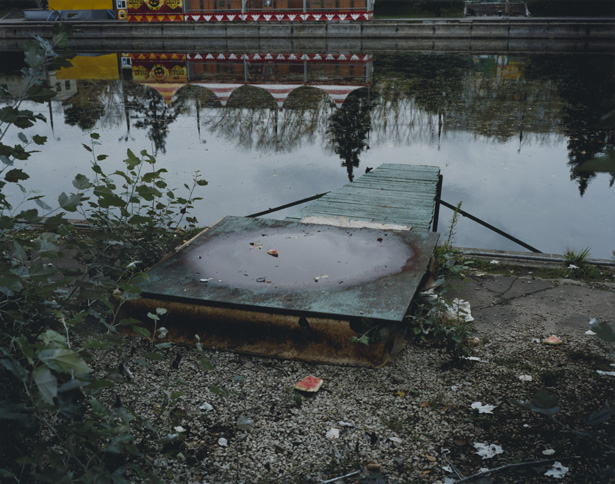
[{"x": 392, "y": 193}]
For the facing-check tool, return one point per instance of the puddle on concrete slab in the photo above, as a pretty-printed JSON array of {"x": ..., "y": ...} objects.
[{"x": 326, "y": 258}]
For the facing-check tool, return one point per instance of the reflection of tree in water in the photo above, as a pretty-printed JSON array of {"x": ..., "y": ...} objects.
[
  {"x": 85, "y": 108},
  {"x": 349, "y": 128},
  {"x": 587, "y": 90},
  {"x": 253, "y": 120},
  {"x": 417, "y": 92},
  {"x": 153, "y": 114}
]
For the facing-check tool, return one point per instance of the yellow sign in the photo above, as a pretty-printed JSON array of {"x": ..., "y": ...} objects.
[
  {"x": 81, "y": 5},
  {"x": 154, "y": 4},
  {"x": 134, "y": 4}
]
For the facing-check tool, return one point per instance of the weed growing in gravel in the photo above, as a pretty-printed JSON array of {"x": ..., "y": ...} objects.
[{"x": 437, "y": 319}]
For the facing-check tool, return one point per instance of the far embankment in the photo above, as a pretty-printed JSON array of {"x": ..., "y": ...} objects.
[{"x": 476, "y": 35}]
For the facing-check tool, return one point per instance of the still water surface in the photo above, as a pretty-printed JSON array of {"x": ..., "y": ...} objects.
[{"x": 508, "y": 132}]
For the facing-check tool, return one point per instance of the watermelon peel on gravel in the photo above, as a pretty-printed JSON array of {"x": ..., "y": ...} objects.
[{"x": 309, "y": 384}]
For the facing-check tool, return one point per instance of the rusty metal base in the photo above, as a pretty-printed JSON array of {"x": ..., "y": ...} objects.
[{"x": 276, "y": 335}]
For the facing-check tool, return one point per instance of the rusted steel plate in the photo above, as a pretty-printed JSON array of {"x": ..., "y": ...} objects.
[
  {"x": 318, "y": 271},
  {"x": 268, "y": 334}
]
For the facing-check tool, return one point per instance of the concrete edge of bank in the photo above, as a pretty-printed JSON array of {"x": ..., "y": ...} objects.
[{"x": 399, "y": 30}]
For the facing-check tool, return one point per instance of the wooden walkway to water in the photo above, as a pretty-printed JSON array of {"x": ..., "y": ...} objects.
[{"x": 392, "y": 195}]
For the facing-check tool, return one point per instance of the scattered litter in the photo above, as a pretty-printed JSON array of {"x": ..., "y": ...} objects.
[
  {"x": 317, "y": 278},
  {"x": 607, "y": 373},
  {"x": 572, "y": 266},
  {"x": 254, "y": 245},
  {"x": 458, "y": 309},
  {"x": 245, "y": 423},
  {"x": 373, "y": 466},
  {"x": 309, "y": 384},
  {"x": 454, "y": 388},
  {"x": 207, "y": 407},
  {"x": 548, "y": 452},
  {"x": 447, "y": 469},
  {"x": 495, "y": 262},
  {"x": 162, "y": 332},
  {"x": 589, "y": 332},
  {"x": 473, "y": 358},
  {"x": 483, "y": 408},
  {"x": 333, "y": 434},
  {"x": 206, "y": 280},
  {"x": 526, "y": 378},
  {"x": 222, "y": 442},
  {"x": 430, "y": 458},
  {"x": 179, "y": 429},
  {"x": 396, "y": 440},
  {"x": 535, "y": 340},
  {"x": 273, "y": 253},
  {"x": 487, "y": 451},
  {"x": 553, "y": 340},
  {"x": 558, "y": 471},
  {"x": 341, "y": 423}
]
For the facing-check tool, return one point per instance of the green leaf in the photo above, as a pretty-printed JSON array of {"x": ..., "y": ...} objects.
[
  {"x": 543, "y": 401},
  {"x": 81, "y": 182},
  {"x": 46, "y": 382},
  {"x": 39, "y": 140},
  {"x": 15, "y": 175},
  {"x": 22, "y": 137},
  {"x": 599, "y": 416},
  {"x": 41, "y": 203},
  {"x": 31, "y": 216},
  {"x": 153, "y": 356},
  {"x": 16, "y": 412},
  {"x": 603, "y": 330},
  {"x": 205, "y": 365},
  {"x": 63, "y": 359},
  {"x": 141, "y": 331},
  {"x": 70, "y": 202},
  {"x": 129, "y": 321},
  {"x": 219, "y": 390},
  {"x": 202, "y": 183},
  {"x": 40, "y": 94},
  {"x": 132, "y": 161}
]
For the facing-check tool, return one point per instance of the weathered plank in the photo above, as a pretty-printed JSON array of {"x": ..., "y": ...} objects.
[{"x": 391, "y": 194}]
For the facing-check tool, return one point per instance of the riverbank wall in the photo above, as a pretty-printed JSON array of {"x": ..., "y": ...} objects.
[{"x": 377, "y": 35}]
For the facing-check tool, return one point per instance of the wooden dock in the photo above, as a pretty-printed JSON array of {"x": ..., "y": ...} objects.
[
  {"x": 345, "y": 265},
  {"x": 393, "y": 195}
]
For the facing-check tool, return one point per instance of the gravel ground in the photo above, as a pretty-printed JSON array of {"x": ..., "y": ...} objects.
[{"x": 410, "y": 421}]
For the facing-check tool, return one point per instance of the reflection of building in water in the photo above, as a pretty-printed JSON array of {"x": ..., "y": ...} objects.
[
  {"x": 16, "y": 86},
  {"x": 279, "y": 74},
  {"x": 499, "y": 100}
]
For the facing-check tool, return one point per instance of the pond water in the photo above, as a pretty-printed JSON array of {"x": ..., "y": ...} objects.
[{"x": 509, "y": 132}]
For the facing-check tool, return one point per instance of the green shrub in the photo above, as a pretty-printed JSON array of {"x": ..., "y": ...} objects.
[{"x": 57, "y": 421}]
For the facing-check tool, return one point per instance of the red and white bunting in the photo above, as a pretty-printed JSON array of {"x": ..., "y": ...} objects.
[
  {"x": 280, "y": 17},
  {"x": 280, "y": 57}
]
